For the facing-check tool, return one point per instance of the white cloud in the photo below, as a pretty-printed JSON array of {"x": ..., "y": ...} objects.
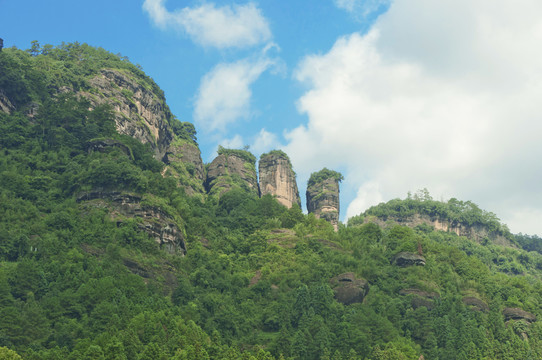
[
  {"x": 224, "y": 93},
  {"x": 361, "y": 8},
  {"x": 235, "y": 142},
  {"x": 443, "y": 95},
  {"x": 208, "y": 25},
  {"x": 264, "y": 141},
  {"x": 368, "y": 195}
]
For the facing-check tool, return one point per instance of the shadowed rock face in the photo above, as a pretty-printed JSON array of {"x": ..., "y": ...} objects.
[
  {"x": 154, "y": 221},
  {"x": 323, "y": 200},
  {"x": 230, "y": 170},
  {"x": 185, "y": 159},
  {"x": 139, "y": 112},
  {"x": 278, "y": 179},
  {"x": 518, "y": 314},
  {"x": 475, "y": 304},
  {"x": 348, "y": 289},
  {"x": 408, "y": 259}
]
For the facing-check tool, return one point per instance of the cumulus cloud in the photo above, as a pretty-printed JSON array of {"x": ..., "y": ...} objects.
[
  {"x": 361, "y": 8},
  {"x": 227, "y": 26},
  {"x": 443, "y": 95},
  {"x": 264, "y": 141},
  {"x": 224, "y": 93}
]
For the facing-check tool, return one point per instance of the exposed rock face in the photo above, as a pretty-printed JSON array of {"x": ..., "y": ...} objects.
[
  {"x": 475, "y": 304},
  {"x": 518, "y": 314},
  {"x": 229, "y": 170},
  {"x": 348, "y": 289},
  {"x": 184, "y": 158},
  {"x": 323, "y": 197},
  {"x": 139, "y": 112},
  {"x": 278, "y": 179},
  {"x": 474, "y": 232},
  {"x": 408, "y": 259},
  {"x": 101, "y": 145},
  {"x": 5, "y": 105},
  {"x": 156, "y": 222},
  {"x": 420, "y": 297}
]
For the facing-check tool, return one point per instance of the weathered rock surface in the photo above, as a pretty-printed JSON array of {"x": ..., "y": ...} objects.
[
  {"x": 5, "y": 105},
  {"x": 278, "y": 179},
  {"x": 408, "y": 259},
  {"x": 518, "y": 314},
  {"x": 323, "y": 199},
  {"x": 474, "y": 232},
  {"x": 229, "y": 170},
  {"x": 475, "y": 304},
  {"x": 184, "y": 158},
  {"x": 139, "y": 112},
  {"x": 348, "y": 289},
  {"x": 162, "y": 227},
  {"x": 102, "y": 145},
  {"x": 420, "y": 297}
]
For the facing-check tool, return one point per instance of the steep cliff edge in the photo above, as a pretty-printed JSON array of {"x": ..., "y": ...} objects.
[
  {"x": 139, "y": 112},
  {"x": 323, "y": 195},
  {"x": 277, "y": 178},
  {"x": 232, "y": 168}
]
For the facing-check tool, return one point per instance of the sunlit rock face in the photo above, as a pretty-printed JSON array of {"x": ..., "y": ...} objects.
[
  {"x": 278, "y": 179},
  {"x": 139, "y": 111},
  {"x": 323, "y": 200}
]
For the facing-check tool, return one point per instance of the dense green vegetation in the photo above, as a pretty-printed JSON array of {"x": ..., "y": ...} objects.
[
  {"x": 324, "y": 174},
  {"x": 75, "y": 283}
]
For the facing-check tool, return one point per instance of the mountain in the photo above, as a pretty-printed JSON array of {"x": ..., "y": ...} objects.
[{"x": 117, "y": 242}]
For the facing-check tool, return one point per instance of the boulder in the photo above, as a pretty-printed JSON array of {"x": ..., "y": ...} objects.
[
  {"x": 348, "y": 289},
  {"x": 408, "y": 259}
]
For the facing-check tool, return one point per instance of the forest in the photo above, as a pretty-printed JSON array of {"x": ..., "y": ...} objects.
[{"x": 79, "y": 281}]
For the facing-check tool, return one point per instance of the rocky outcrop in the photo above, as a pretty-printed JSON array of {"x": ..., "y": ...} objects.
[
  {"x": 518, "y": 314},
  {"x": 183, "y": 158},
  {"x": 475, "y": 232},
  {"x": 348, "y": 289},
  {"x": 475, "y": 304},
  {"x": 5, "y": 105},
  {"x": 102, "y": 145},
  {"x": 404, "y": 259},
  {"x": 277, "y": 178},
  {"x": 323, "y": 195},
  {"x": 139, "y": 112},
  {"x": 420, "y": 298},
  {"x": 161, "y": 226},
  {"x": 232, "y": 168}
]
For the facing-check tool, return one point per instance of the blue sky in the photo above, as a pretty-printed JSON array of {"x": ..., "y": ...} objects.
[{"x": 397, "y": 95}]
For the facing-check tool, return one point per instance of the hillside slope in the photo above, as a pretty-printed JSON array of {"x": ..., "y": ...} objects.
[{"x": 111, "y": 249}]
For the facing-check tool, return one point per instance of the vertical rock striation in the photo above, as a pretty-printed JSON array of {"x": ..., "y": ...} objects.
[
  {"x": 277, "y": 178},
  {"x": 323, "y": 195},
  {"x": 230, "y": 169}
]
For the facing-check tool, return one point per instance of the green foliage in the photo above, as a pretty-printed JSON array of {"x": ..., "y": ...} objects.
[
  {"x": 243, "y": 154},
  {"x": 324, "y": 174},
  {"x": 81, "y": 280}
]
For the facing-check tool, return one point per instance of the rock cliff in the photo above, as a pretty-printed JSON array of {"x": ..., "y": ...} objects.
[
  {"x": 232, "y": 168},
  {"x": 139, "y": 111},
  {"x": 163, "y": 227},
  {"x": 277, "y": 178},
  {"x": 323, "y": 195},
  {"x": 348, "y": 289},
  {"x": 474, "y": 232},
  {"x": 183, "y": 161}
]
